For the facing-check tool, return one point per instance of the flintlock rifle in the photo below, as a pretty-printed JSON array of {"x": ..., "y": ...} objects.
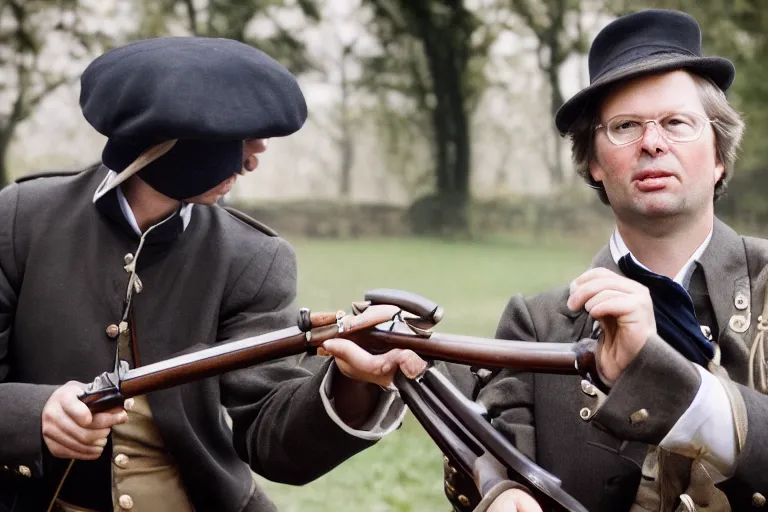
[{"x": 389, "y": 319}]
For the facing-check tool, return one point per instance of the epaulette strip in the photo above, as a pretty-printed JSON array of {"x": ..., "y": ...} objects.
[
  {"x": 251, "y": 221},
  {"x": 48, "y": 174}
]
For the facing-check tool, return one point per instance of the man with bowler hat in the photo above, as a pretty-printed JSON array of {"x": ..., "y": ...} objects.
[
  {"x": 676, "y": 418},
  {"x": 133, "y": 259}
]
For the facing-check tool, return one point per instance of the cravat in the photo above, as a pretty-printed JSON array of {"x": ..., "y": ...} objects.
[{"x": 676, "y": 321}]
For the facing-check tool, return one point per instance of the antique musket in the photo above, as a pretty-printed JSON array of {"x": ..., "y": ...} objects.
[{"x": 389, "y": 319}]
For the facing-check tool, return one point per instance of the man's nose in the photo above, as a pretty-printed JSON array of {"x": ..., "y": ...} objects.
[
  {"x": 653, "y": 142},
  {"x": 254, "y": 146}
]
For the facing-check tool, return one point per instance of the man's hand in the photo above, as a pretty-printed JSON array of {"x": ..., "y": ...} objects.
[
  {"x": 514, "y": 500},
  {"x": 70, "y": 431},
  {"x": 358, "y": 364},
  {"x": 354, "y": 395},
  {"x": 625, "y": 312}
]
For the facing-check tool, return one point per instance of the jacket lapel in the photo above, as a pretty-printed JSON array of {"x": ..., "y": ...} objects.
[
  {"x": 605, "y": 260},
  {"x": 724, "y": 263}
]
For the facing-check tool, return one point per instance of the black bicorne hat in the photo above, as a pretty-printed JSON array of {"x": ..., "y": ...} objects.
[
  {"x": 643, "y": 43},
  {"x": 210, "y": 94}
]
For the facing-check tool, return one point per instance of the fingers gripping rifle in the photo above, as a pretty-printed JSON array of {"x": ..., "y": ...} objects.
[{"x": 389, "y": 319}]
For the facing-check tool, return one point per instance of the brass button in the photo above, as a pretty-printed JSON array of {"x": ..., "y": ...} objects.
[
  {"x": 113, "y": 331},
  {"x": 450, "y": 490},
  {"x": 738, "y": 323},
  {"x": 128, "y": 258},
  {"x": 587, "y": 388},
  {"x": 463, "y": 500},
  {"x": 740, "y": 302},
  {"x": 585, "y": 413},
  {"x": 758, "y": 500},
  {"x": 639, "y": 416},
  {"x": 125, "y": 502},
  {"x": 121, "y": 460},
  {"x": 24, "y": 471}
]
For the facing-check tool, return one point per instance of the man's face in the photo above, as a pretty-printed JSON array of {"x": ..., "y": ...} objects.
[
  {"x": 251, "y": 149},
  {"x": 654, "y": 177}
]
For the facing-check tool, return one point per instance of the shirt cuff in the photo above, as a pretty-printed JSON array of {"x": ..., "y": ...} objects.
[
  {"x": 387, "y": 416},
  {"x": 706, "y": 429}
]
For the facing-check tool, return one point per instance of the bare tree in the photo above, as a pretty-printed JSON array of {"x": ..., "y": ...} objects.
[
  {"x": 557, "y": 26},
  {"x": 27, "y": 27},
  {"x": 430, "y": 54}
]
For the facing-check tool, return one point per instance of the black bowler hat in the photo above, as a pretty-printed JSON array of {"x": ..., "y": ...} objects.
[
  {"x": 644, "y": 43},
  {"x": 209, "y": 94}
]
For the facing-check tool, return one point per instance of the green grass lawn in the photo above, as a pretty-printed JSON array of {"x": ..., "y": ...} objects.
[{"x": 472, "y": 281}]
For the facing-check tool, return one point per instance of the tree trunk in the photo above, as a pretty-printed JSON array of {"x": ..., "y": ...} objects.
[
  {"x": 556, "y": 59},
  {"x": 446, "y": 51},
  {"x": 345, "y": 142}
]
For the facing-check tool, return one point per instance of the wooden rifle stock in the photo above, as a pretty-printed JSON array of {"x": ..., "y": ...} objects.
[
  {"x": 378, "y": 325},
  {"x": 481, "y": 452},
  {"x": 111, "y": 389},
  {"x": 542, "y": 357}
]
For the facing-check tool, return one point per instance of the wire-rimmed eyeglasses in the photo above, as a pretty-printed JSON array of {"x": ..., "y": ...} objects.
[{"x": 676, "y": 127}]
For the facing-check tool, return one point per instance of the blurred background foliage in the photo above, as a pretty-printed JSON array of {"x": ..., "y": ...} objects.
[{"x": 423, "y": 73}]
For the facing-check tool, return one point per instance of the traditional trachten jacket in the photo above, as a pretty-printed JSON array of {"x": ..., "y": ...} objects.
[{"x": 599, "y": 460}]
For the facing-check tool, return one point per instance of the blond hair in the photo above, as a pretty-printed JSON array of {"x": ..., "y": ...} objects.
[{"x": 727, "y": 125}]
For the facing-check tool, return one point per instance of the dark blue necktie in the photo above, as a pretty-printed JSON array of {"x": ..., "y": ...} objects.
[{"x": 676, "y": 321}]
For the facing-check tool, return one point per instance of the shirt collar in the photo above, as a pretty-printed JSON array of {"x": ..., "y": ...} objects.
[
  {"x": 619, "y": 248},
  {"x": 185, "y": 212}
]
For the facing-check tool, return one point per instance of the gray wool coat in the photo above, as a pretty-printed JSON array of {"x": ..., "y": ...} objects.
[
  {"x": 62, "y": 282},
  {"x": 599, "y": 461}
]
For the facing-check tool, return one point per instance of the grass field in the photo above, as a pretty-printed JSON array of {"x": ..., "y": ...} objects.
[{"x": 473, "y": 282}]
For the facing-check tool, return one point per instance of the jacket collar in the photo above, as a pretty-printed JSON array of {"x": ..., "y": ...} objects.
[
  {"x": 724, "y": 263},
  {"x": 108, "y": 204}
]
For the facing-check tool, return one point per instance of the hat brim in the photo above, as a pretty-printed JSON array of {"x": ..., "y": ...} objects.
[{"x": 721, "y": 71}]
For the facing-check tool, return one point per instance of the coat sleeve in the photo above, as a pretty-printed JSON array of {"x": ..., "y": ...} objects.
[
  {"x": 21, "y": 405},
  {"x": 508, "y": 394},
  {"x": 664, "y": 384},
  {"x": 280, "y": 425}
]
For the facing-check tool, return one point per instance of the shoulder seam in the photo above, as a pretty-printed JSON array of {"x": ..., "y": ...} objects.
[
  {"x": 246, "y": 219},
  {"x": 49, "y": 174}
]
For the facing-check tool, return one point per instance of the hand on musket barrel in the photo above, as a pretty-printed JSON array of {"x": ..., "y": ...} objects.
[{"x": 353, "y": 398}]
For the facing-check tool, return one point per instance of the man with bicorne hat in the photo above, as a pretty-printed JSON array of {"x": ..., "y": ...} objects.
[
  {"x": 677, "y": 417},
  {"x": 133, "y": 259}
]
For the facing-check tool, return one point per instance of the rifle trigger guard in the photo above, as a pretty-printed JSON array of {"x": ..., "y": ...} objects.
[{"x": 413, "y": 325}]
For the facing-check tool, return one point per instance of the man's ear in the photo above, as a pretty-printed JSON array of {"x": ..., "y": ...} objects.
[
  {"x": 596, "y": 171},
  {"x": 719, "y": 169}
]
